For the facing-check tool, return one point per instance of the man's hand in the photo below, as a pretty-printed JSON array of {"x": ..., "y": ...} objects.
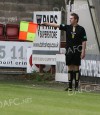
[
  {"x": 50, "y": 24},
  {"x": 83, "y": 54},
  {"x": 44, "y": 24},
  {"x": 83, "y": 50}
]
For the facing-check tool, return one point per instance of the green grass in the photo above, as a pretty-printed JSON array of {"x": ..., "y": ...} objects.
[{"x": 32, "y": 100}]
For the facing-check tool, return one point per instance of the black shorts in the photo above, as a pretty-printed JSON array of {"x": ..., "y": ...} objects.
[{"x": 73, "y": 59}]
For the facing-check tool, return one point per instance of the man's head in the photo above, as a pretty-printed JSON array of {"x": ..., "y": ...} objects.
[{"x": 74, "y": 18}]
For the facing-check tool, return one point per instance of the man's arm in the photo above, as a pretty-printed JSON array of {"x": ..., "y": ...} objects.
[
  {"x": 83, "y": 49},
  {"x": 51, "y": 24}
]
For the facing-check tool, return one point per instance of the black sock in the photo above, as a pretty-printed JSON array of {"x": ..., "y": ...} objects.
[
  {"x": 70, "y": 78},
  {"x": 77, "y": 77}
]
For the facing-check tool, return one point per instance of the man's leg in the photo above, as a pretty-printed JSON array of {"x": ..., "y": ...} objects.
[
  {"x": 76, "y": 75},
  {"x": 70, "y": 77}
]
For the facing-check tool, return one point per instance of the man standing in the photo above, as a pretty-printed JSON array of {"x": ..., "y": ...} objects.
[{"x": 75, "y": 47}]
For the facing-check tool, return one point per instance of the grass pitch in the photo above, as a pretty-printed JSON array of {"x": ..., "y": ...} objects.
[{"x": 24, "y": 99}]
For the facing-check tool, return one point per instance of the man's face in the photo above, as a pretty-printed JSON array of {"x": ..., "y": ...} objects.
[{"x": 73, "y": 20}]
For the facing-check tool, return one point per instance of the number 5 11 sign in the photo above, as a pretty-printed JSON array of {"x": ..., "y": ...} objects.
[{"x": 14, "y": 54}]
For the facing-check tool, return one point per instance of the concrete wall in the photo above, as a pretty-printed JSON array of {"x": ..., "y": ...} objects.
[
  {"x": 81, "y": 8},
  {"x": 12, "y": 11},
  {"x": 96, "y": 4},
  {"x": 96, "y": 12}
]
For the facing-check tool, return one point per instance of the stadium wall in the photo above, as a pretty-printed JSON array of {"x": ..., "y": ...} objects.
[{"x": 13, "y": 11}]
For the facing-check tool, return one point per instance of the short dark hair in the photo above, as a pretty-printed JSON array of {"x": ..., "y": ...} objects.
[{"x": 75, "y": 16}]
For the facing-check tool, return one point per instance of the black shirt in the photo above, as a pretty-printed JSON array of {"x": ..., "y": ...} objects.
[{"x": 74, "y": 36}]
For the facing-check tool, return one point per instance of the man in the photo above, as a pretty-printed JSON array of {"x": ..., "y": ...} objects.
[{"x": 75, "y": 47}]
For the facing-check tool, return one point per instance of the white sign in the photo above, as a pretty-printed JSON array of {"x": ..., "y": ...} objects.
[
  {"x": 14, "y": 54},
  {"x": 30, "y": 65},
  {"x": 90, "y": 68},
  {"x": 44, "y": 59},
  {"x": 47, "y": 42},
  {"x": 61, "y": 68},
  {"x": 48, "y": 38}
]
